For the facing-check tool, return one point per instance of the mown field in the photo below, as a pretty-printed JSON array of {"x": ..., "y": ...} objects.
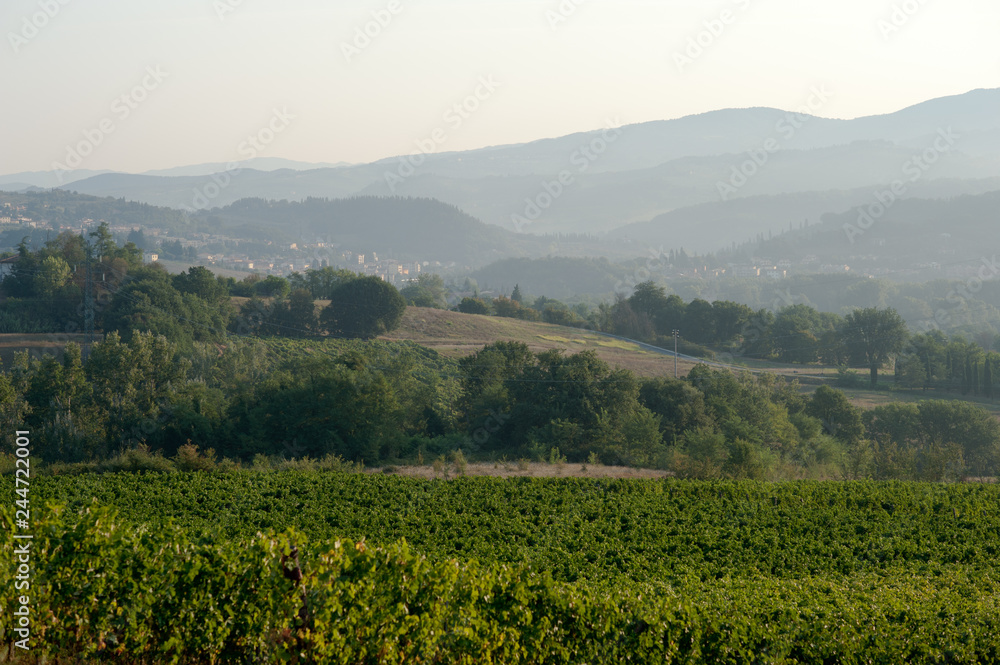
[
  {"x": 456, "y": 335},
  {"x": 474, "y": 570}
]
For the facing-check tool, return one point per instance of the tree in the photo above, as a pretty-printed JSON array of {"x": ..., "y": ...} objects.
[
  {"x": 873, "y": 336},
  {"x": 272, "y": 287},
  {"x": 13, "y": 406},
  {"x": 988, "y": 375},
  {"x": 959, "y": 435},
  {"x": 131, "y": 385},
  {"x": 651, "y": 300},
  {"x": 172, "y": 250},
  {"x": 202, "y": 282},
  {"x": 730, "y": 319},
  {"x": 516, "y": 295},
  {"x": 151, "y": 303},
  {"x": 629, "y": 323},
  {"x": 840, "y": 418},
  {"x": 321, "y": 282},
  {"x": 365, "y": 307},
  {"x": 681, "y": 406},
  {"x": 580, "y": 405},
  {"x": 103, "y": 242},
  {"x": 107, "y": 250},
  {"x": 699, "y": 322},
  {"x": 429, "y": 291},
  {"x": 52, "y": 276},
  {"x": 297, "y": 316},
  {"x": 560, "y": 315},
  {"x": 796, "y": 334},
  {"x": 138, "y": 238},
  {"x": 473, "y": 306},
  {"x": 511, "y": 309}
]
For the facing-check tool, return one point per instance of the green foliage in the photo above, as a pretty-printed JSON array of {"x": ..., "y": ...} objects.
[
  {"x": 152, "y": 303},
  {"x": 272, "y": 286},
  {"x": 933, "y": 440},
  {"x": 848, "y": 378},
  {"x": 838, "y": 416},
  {"x": 189, "y": 458},
  {"x": 679, "y": 405},
  {"x": 363, "y": 308},
  {"x": 428, "y": 291},
  {"x": 572, "y": 571},
  {"x": 322, "y": 282},
  {"x": 512, "y": 309},
  {"x": 473, "y": 306},
  {"x": 201, "y": 282},
  {"x": 533, "y": 402},
  {"x": 872, "y": 336},
  {"x": 131, "y": 384}
]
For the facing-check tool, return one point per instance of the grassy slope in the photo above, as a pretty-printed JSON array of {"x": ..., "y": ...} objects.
[
  {"x": 454, "y": 335},
  {"x": 36, "y": 344}
]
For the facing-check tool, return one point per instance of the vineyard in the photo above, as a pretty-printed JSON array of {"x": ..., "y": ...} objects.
[{"x": 353, "y": 568}]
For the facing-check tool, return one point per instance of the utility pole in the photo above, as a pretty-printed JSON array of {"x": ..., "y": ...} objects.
[{"x": 676, "y": 334}]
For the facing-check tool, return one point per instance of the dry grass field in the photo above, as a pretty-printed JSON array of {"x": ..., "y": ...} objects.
[
  {"x": 37, "y": 345},
  {"x": 456, "y": 335}
]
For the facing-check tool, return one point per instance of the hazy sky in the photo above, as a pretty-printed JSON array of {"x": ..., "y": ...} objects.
[{"x": 223, "y": 67}]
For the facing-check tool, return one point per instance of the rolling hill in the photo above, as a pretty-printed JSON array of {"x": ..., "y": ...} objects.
[{"x": 633, "y": 173}]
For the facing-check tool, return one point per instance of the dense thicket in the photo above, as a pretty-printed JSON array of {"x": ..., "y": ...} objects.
[
  {"x": 179, "y": 364},
  {"x": 382, "y": 402}
]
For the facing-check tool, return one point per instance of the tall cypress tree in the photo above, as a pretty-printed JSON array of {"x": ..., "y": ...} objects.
[
  {"x": 516, "y": 295},
  {"x": 988, "y": 377}
]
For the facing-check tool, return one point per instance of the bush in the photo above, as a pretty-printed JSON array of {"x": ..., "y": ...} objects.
[
  {"x": 459, "y": 461},
  {"x": 848, "y": 378},
  {"x": 363, "y": 308},
  {"x": 473, "y": 306},
  {"x": 138, "y": 459},
  {"x": 188, "y": 458}
]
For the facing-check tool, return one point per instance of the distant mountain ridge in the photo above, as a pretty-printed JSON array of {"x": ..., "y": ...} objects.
[
  {"x": 51, "y": 179},
  {"x": 634, "y": 173}
]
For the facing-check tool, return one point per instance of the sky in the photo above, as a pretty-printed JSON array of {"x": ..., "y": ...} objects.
[{"x": 134, "y": 86}]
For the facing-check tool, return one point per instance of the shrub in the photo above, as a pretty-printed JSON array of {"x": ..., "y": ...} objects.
[
  {"x": 138, "y": 459},
  {"x": 188, "y": 458},
  {"x": 459, "y": 461},
  {"x": 848, "y": 378}
]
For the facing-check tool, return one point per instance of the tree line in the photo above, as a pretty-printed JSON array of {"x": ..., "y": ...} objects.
[
  {"x": 47, "y": 291},
  {"x": 380, "y": 402}
]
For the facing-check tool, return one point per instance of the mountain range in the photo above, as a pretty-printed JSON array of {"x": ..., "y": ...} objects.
[{"x": 701, "y": 182}]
